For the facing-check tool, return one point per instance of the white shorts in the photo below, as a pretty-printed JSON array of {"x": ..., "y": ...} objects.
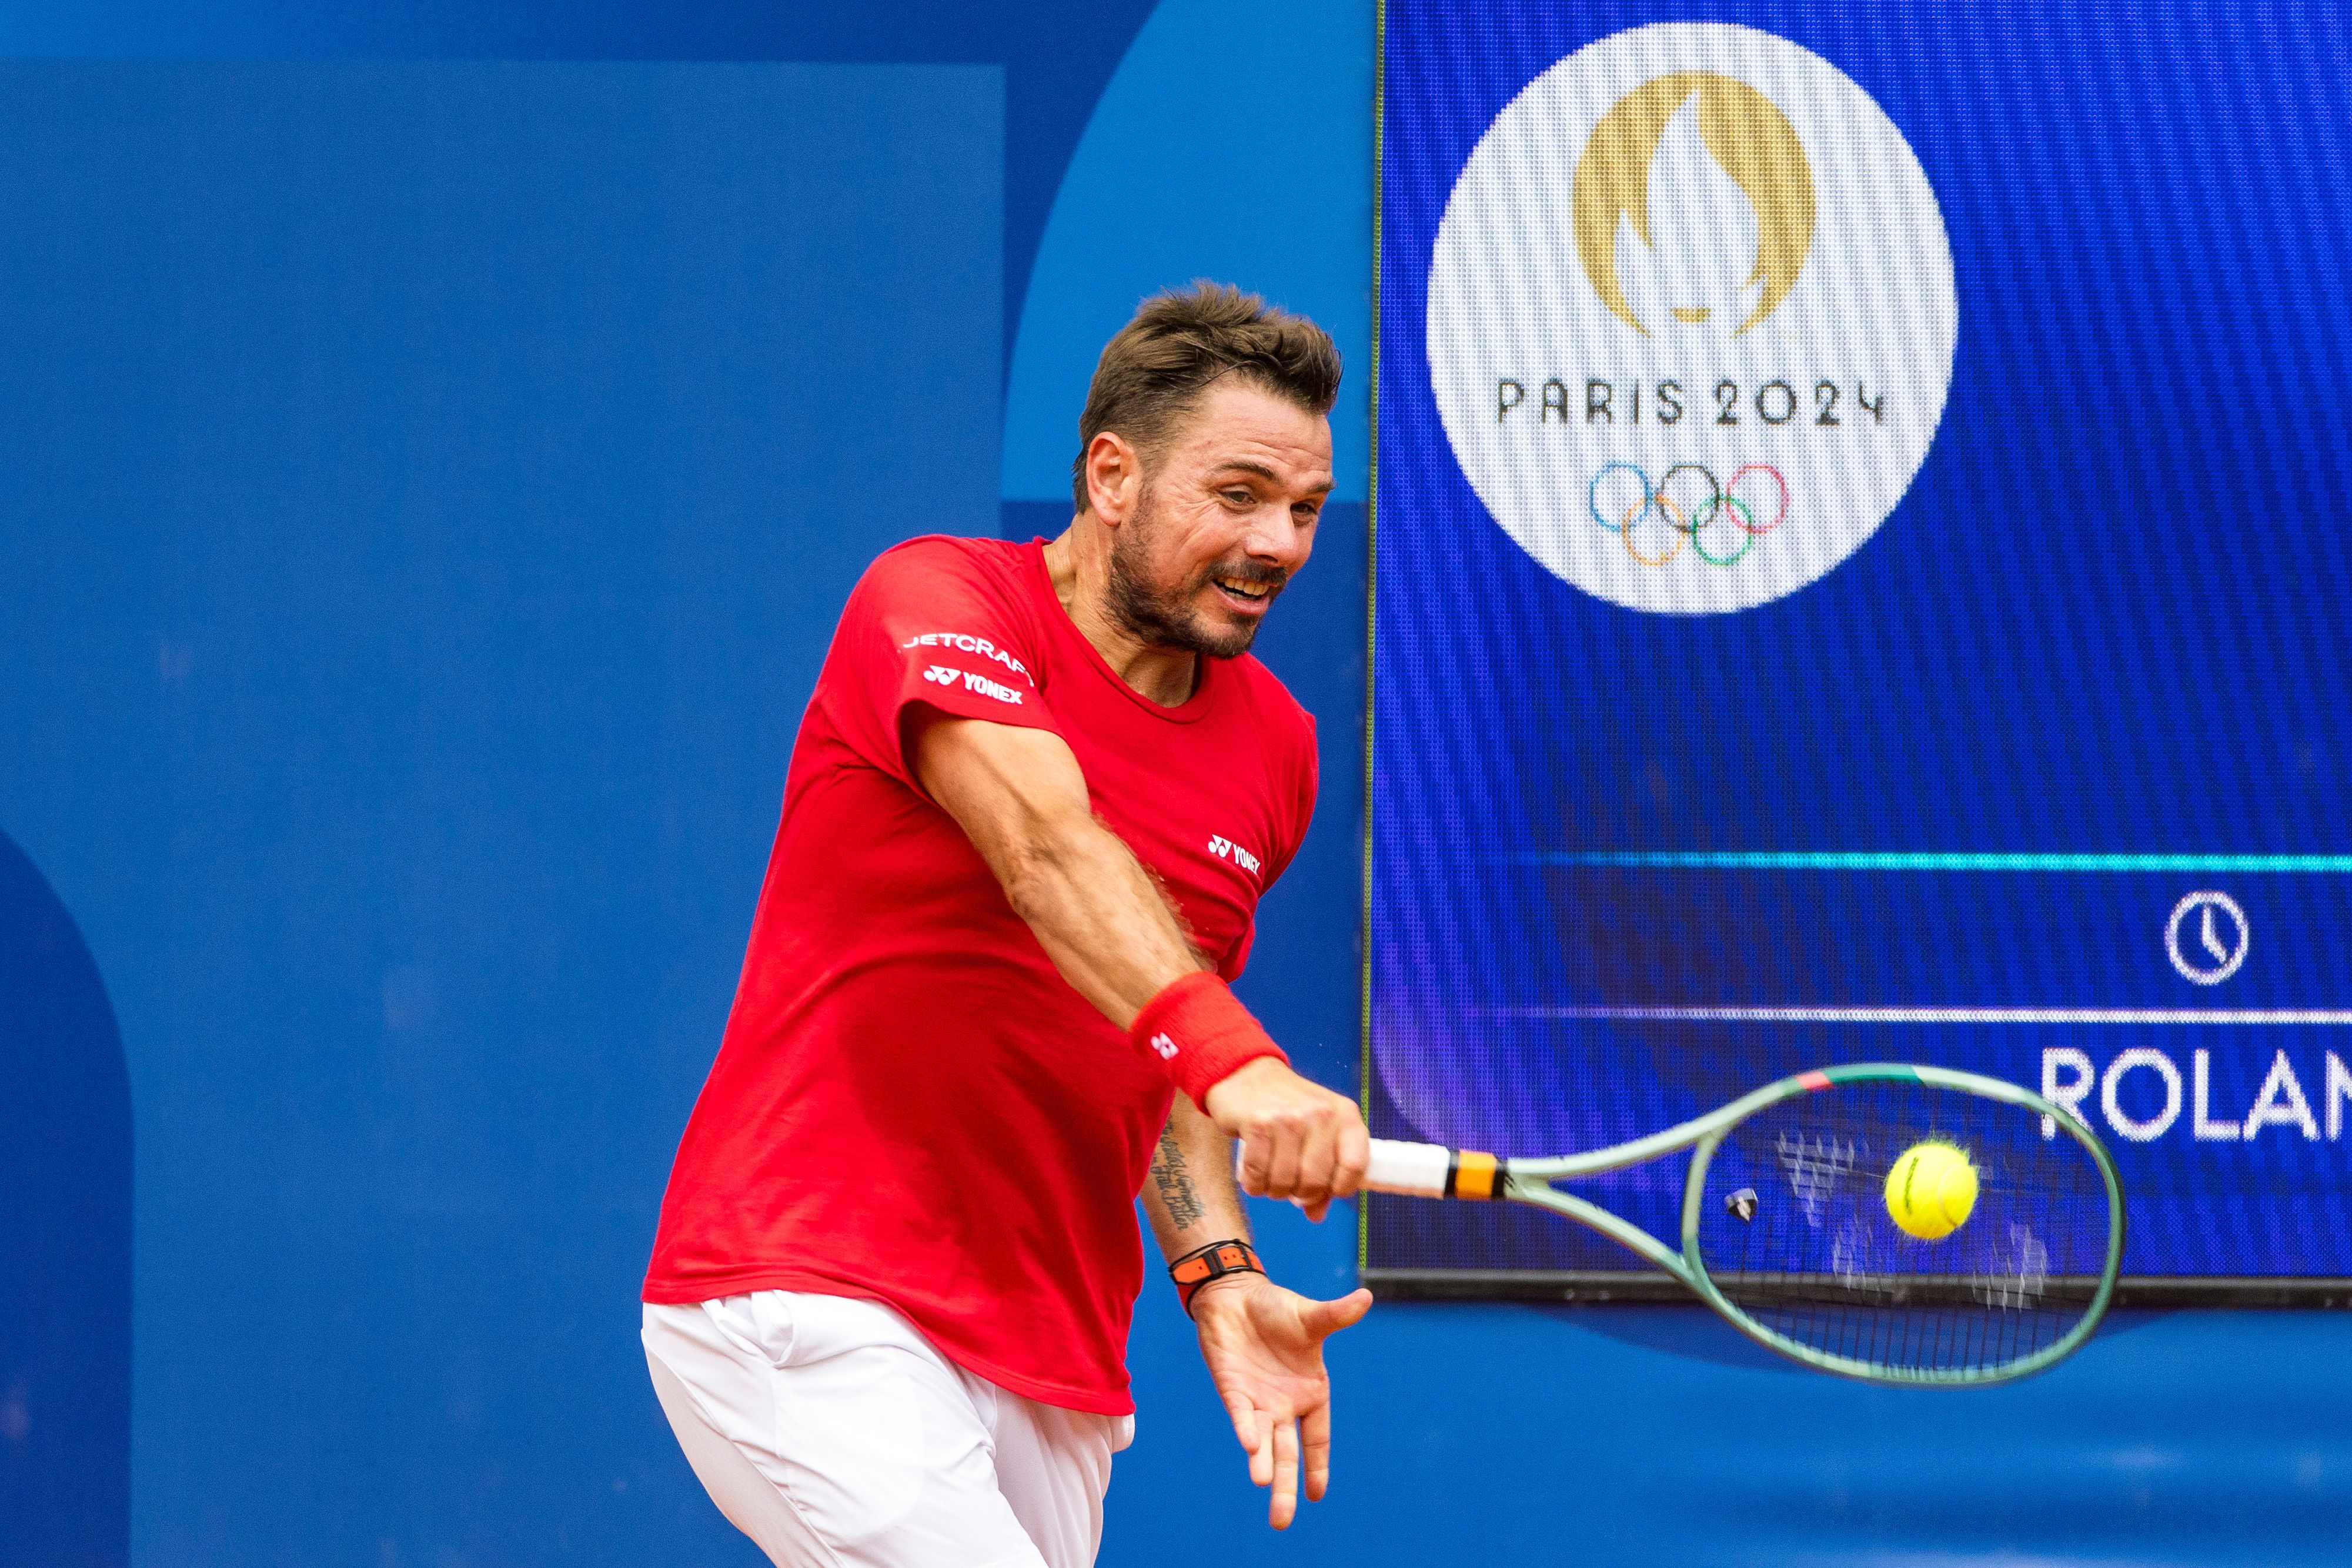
[{"x": 832, "y": 1433}]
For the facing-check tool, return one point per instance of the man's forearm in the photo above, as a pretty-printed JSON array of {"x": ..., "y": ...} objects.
[
  {"x": 1191, "y": 1197},
  {"x": 1119, "y": 942},
  {"x": 1019, "y": 796},
  {"x": 1100, "y": 916}
]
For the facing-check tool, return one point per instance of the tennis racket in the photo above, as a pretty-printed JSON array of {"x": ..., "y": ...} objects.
[{"x": 1788, "y": 1227}]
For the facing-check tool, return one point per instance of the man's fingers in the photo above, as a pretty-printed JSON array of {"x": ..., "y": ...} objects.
[
  {"x": 1314, "y": 1434},
  {"x": 1282, "y": 1173},
  {"x": 1315, "y": 1212},
  {"x": 1283, "y": 1505},
  {"x": 1334, "y": 1149},
  {"x": 1354, "y": 1155},
  {"x": 1297, "y": 1138},
  {"x": 1323, "y": 1319},
  {"x": 1256, "y": 1158},
  {"x": 1246, "y": 1428},
  {"x": 1264, "y": 1461},
  {"x": 1318, "y": 1155}
]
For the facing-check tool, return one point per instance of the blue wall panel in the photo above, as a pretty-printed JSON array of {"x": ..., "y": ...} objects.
[
  {"x": 1206, "y": 160},
  {"x": 432, "y": 487}
]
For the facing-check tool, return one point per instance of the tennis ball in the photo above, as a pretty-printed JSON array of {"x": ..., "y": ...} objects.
[{"x": 1931, "y": 1190}]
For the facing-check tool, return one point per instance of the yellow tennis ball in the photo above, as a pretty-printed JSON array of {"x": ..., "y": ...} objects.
[{"x": 1931, "y": 1190}]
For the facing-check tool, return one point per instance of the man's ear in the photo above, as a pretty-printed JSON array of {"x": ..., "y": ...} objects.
[{"x": 1114, "y": 478}]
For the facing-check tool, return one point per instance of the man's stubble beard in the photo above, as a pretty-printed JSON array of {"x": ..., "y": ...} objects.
[{"x": 1167, "y": 620}]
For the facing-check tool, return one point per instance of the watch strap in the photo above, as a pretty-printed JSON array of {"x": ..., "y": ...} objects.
[{"x": 1214, "y": 1261}]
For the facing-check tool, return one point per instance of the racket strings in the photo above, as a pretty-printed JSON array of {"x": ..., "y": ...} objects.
[{"x": 1797, "y": 1232}]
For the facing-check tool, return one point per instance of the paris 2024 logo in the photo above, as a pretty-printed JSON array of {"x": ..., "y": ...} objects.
[{"x": 1691, "y": 318}]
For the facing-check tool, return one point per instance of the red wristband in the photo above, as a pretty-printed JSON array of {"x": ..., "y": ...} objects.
[{"x": 1199, "y": 1032}]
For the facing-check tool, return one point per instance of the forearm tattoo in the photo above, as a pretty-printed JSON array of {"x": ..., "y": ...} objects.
[{"x": 1173, "y": 1178}]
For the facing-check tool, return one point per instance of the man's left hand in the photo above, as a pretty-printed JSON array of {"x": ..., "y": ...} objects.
[{"x": 1263, "y": 1345}]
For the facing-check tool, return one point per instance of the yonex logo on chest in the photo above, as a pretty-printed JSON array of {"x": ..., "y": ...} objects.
[{"x": 1224, "y": 849}]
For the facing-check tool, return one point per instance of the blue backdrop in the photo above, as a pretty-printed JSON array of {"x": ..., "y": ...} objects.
[{"x": 437, "y": 447}]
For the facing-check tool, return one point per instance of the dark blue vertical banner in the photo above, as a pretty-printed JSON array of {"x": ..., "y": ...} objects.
[
  {"x": 1854, "y": 582},
  {"x": 65, "y": 1242}
]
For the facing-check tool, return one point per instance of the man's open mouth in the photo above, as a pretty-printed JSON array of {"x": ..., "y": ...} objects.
[{"x": 1245, "y": 593}]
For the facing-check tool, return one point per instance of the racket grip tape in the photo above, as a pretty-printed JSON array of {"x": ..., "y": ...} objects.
[{"x": 1432, "y": 1170}]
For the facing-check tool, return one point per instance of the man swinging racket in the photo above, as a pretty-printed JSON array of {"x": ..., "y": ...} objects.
[{"x": 1033, "y": 803}]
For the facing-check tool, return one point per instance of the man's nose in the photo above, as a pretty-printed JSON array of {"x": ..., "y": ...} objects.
[{"x": 1275, "y": 538}]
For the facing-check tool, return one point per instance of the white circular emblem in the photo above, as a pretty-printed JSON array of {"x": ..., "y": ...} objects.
[{"x": 1691, "y": 318}]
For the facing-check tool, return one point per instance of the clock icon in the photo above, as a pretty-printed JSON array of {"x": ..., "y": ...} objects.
[{"x": 2207, "y": 937}]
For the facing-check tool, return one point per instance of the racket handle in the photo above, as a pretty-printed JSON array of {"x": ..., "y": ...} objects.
[
  {"x": 1416, "y": 1170},
  {"x": 1425, "y": 1170}
]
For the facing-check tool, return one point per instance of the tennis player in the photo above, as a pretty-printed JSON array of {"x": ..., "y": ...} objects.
[{"x": 1035, "y": 801}]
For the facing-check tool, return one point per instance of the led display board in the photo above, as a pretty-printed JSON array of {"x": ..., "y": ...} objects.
[{"x": 1862, "y": 572}]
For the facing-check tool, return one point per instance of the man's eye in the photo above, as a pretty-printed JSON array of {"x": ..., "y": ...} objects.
[{"x": 1239, "y": 498}]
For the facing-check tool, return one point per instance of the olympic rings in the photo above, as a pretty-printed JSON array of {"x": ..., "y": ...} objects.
[{"x": 1687, "y": 511}]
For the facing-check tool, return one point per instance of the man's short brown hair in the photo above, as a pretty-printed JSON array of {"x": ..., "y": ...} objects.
[{"x": 1152, "y": 373}]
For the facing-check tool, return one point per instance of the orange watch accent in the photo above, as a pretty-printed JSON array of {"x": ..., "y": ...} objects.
[{"x": 1214, "y": 1261}]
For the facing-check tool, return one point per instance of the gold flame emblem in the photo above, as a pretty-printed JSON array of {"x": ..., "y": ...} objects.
[{"x": 1692, "y": 206}]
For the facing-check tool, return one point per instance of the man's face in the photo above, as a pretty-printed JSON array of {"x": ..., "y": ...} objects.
[{"x": 1226, "y": 516}]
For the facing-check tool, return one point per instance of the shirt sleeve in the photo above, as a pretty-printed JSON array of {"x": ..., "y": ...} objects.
[{"x": 930, "y": 624}]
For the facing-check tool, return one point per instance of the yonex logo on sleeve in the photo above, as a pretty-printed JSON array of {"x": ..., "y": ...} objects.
[
  {"x": 1164, "y": 1046},
  {"x": 947, "y": 675}
]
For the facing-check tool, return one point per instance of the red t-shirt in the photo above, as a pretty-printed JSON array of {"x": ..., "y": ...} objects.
[{"x": 910, "y": 1103}]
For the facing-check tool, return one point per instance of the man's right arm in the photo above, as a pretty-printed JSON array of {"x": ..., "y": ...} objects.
[{"x": 1020, "y": 796}]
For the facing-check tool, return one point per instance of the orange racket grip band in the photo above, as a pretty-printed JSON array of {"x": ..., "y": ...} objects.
[
  {"x": 1432, "y": 1170},
  {"x": 1199, "y": 1032},
  {"x": 1213, "y": 1262},
  {"x": 1474, "y": 1175}
]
